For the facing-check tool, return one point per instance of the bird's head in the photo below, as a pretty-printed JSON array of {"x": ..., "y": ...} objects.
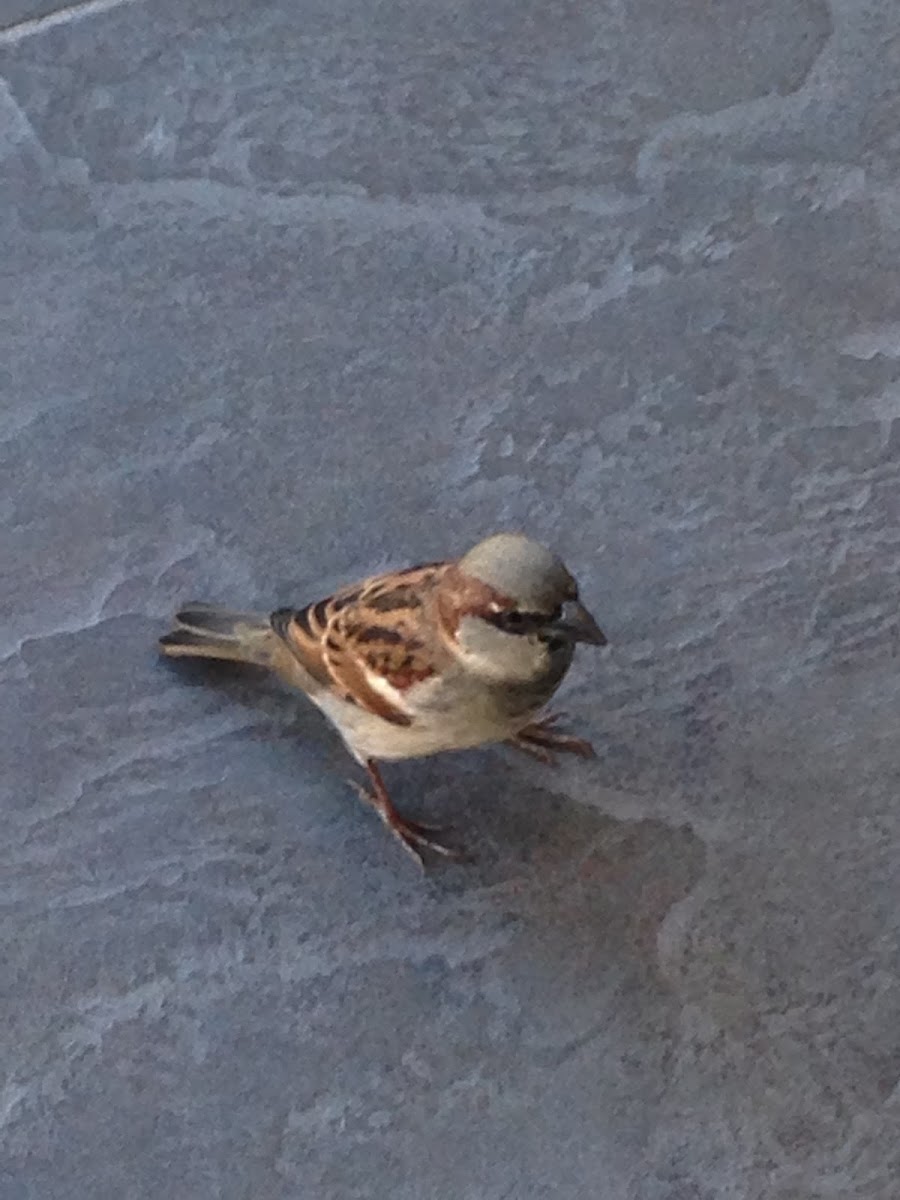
[{"x": 511, "y": 609}]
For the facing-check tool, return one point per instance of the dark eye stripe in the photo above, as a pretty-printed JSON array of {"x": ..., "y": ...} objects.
[{"x": 522, "y": 622}]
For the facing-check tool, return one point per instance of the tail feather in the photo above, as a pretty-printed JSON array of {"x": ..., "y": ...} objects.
[
  {"x": 204, "y": 631},
  {"x": 208, "y": 618}
]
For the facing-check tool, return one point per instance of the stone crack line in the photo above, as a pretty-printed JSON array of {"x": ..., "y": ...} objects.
[{"x": 12, "y": 34}]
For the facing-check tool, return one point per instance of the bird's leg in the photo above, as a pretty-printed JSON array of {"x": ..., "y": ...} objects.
[
  {"x": 541, "y": 740},
  {"x": 411, "y": 833}
]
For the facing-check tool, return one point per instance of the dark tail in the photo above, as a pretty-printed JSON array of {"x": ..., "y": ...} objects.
[{"x": 204, "y": 631}]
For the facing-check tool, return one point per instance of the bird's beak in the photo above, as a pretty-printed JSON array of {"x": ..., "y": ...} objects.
[{"x": 577, "y": 624}]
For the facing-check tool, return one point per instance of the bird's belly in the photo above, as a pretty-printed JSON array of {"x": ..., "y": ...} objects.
[
  {"x": 375, "y": 738},
  {"x": 444, "y": 719}
]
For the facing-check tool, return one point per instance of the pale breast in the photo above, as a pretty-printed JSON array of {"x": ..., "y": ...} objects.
[{"x": 455, "y": 711}]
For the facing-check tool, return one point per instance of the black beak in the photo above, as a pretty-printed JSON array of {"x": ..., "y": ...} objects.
[{"x": 578, "y": 625}]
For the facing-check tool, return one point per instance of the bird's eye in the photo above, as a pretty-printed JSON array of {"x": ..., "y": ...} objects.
[
  {"x": 511, "y": 621},
  {"x": 556, "y": 614}
]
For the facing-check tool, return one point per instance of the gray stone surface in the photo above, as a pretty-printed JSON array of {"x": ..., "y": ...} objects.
[{"x": 294, "y": 291}]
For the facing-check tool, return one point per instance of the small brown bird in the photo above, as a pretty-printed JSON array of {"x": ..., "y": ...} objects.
[{"x": 444, "y": 656}]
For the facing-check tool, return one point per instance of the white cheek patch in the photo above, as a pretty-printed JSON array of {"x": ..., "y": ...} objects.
[{"x": 499, "y": 656}]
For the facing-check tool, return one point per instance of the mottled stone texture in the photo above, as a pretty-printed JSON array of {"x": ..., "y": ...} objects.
[{"x": 292, "y": 291}]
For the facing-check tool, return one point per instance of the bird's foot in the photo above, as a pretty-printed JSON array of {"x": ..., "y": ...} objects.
[
  {"x": 542, "y": 741},
  {"x": 414, "y": 835}
]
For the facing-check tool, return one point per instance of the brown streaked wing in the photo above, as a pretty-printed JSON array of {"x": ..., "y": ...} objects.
[
  {"x": 388, "y": 632},
  {"x": 376, "y": 628},
  {"x": 303, "y": 635},
  {"x": 348, "y": 675}
]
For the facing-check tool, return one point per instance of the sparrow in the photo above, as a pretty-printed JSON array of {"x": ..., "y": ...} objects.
[{"x": 443, "y": 656}]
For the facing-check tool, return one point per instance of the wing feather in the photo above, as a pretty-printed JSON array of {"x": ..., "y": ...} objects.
[{"x": 371, "y": 642}]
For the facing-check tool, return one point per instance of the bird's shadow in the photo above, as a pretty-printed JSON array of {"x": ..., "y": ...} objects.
[{"x": 586, "y": 889}]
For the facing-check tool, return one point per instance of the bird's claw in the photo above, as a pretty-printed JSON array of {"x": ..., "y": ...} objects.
[
  {"x": 413, "y": 835},
  {"x": 541, "y": 740}
]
